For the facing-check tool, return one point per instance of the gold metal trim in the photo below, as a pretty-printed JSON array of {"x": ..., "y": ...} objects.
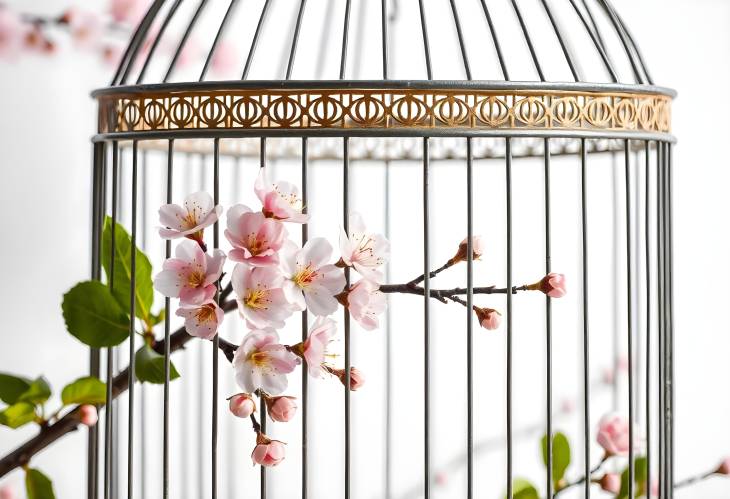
[{"x": 386, "y": 109}]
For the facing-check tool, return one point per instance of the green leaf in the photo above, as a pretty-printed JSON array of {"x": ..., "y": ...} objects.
[
  {"x": 17, "y": 415},
  {"x": 150, "y": 366},
  {"x": 38, "y": 392},
  {"x": 157, "y": 318},
  {"x": 143, "y": 291},
  {"x": 12, "y": 387},
  {"x": 88, "y": 390},
  {"x": 640, "y": 475},
  {"x": 93, "y": 316},
  {"x": 523, "y": 489},
  {"x": 38, "y": 485},
  {"x": 561, "y": 455}
]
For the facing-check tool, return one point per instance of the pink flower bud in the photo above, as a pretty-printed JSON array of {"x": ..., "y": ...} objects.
[
  {"x": 488, "y": 318},
  {"x": 242, "y": 405},
  {"x": 477, "y": 250},
  {"x": 613, "y": 435},
  {"x": 611, "y": 482},
  {"x": 552, "y": 285},
  {"x": 268, "y": 452},
  {"x": 724, "y": 468},
  {"x": 282, "y": 408},
  {"x": 7, "y": 492},
  {"x": 88, "y": 415},
  {"x": 356, "y": 378}
]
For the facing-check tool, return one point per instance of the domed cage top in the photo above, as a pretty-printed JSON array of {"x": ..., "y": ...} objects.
[{"x": 484, "y": 112}]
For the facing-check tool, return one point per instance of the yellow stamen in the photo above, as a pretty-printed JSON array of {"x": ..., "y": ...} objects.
[
  {"x": 305, "y": 277},
  {"x": 256, "y": 298}
]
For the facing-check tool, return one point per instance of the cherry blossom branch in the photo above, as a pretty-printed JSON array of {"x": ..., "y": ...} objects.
[
  {"x": 444, "y": 294},
  {"x": 69, "y": 422},
  {"x": 431, "y": 275},
  {"x": 582, "y": 479}
]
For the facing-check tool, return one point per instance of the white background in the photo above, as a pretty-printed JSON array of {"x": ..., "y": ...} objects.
[{"x": 44, "y": 189}]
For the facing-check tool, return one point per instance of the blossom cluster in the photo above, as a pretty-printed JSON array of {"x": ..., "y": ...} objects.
[{"x": 272, "y": 279}]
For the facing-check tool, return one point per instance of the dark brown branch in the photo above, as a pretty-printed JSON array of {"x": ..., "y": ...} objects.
[
  {"x": 443, "y": 294},
  {"x": 70, "y": 422},
  {"x": 432, "y": 274}
]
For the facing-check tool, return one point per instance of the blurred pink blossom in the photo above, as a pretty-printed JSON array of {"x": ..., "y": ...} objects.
[
  {"x": 611, "y": 482},
  {"x": 724, "y": 468},
  {"x": 225, "y": 58},
  {"x": 12, "y": 33},
  {"x": 613, "y": 435},
  {"x": 7, "y": 491},
  {"x": 128, "y": 11},
  {"x": 85, "y": 26},
  {"x": 357, "y": 379}
]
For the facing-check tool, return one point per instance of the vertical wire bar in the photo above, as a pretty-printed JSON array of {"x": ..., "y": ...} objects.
[
  {"x": 469, "y": 311},
  {"x": 670, "y": 314},
  {"x": 142, "y": 387},
  {"x": 157, "y": 39},
  {"x": 109, "y": 414},
  {"x": 629, "y": 313},
  {"x": 201, "y": 367},
  {"x": 508, "y": 186},
  {"x": 597, "y": 42},
  {"x": 625, "y": 31},
  {"x": 216, "y": 338},
  {"x": 346, "y": 224},
  {"x": 116, "y": 420},
  {"x": 345, "y": 36},
  {"x": 98, "y": 210},
  {"x": 305, "y": 325},
  {"x": 132, "y": 332},
  {"x": 548, "y": 332},
  {"x": 295, "y": 40},
  {"x": 665, "y": 340},
  {"x": 660, "y": 314},
  {"x": 460, "y": 35},
  {"x": 217, "y": 39},
  {"x": 255, "y": 40},
  {"x": 562, "y": 41},
  {"x": 384, "y": 35},
  {"x": 426, "y": 44},
  {"x": 166, "y": 388},
  {"x": 528, "y": 40},
  {"x": 426, "y": 325},
  {"x": 181, "y": 44},
  {"x": 495, "y": 40},
  {"x": 615, "y": 298},
  {"x": 586, "y": 338},
  {"x": 262, "y": 486},
  {"x": 647, "y": 267},
  {"x": 388, "y": 354}
]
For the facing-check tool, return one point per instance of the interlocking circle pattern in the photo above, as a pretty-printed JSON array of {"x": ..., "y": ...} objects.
[{"x": 385, "y": 109}]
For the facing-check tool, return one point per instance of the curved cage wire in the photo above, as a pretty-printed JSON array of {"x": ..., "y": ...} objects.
[{"x": 437, "y": 120}]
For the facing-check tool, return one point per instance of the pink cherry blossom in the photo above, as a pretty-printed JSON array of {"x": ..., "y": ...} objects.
[
  {"x": 242, "y": 405},
  {"x": 7, "y": 492},
  {"x": 314, "y": 348},
  {"x": 724, "y": 468},
  {"x": 280, "y": 200},
  {"x": 488, "y": 317},
  {"x": 261, "y": 362},
  {"x": 552, "y": 285},
  {"x": 357, "y": 379},
  {"x": 363, "y": 251},
  {"x": 12, "y": 32},
  {"x": 310, "y": 282},
  {"x": 256, "y": 239},
  {"x": 189, "y": 220},
  {"x": 111, "y": 54},
  {"x": 191, "y": 275},
  {"x": 86, "y": 27},
  {"x": 365, "y": 303},
  {"x": 202, "y": 320},
  {"x": 88, "y": 415},
  {"x": 225, "y": 58},
  {"x": 128, "y": 11},
  {"x": 611, "y": 482},
  {"x": 282, "y": 409},
  {"x": 613, "y": 435},
  {"x": 268, "y": 452},
  {"x": 261, "y": 299},
  {"x": 477, "y": 250}
]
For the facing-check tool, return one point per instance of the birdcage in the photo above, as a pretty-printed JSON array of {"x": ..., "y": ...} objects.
[{"x": 533, "y": 123}]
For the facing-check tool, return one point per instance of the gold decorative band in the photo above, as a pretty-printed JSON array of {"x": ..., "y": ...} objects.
[{"x": 385, "y": 109}]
